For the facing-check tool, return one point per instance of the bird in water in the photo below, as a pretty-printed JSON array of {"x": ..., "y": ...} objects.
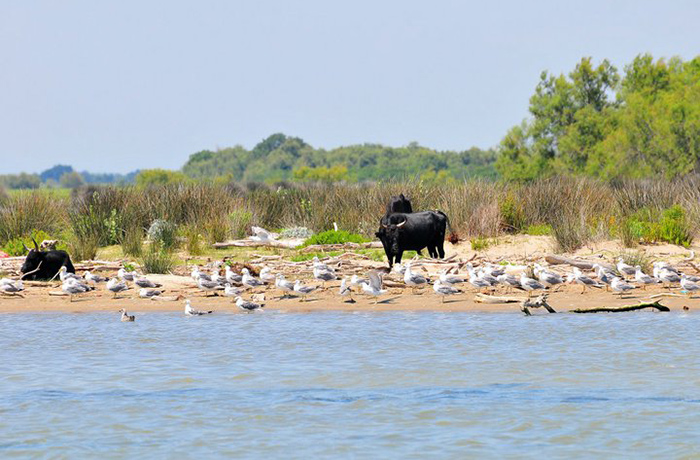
[
  {"x": 248, "y": 305},
  {"x": 189, "y": 311},
  {"x": 126, "y": 317}
]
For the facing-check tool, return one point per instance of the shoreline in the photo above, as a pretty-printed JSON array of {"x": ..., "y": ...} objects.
[{"x": 566, "y": 299}]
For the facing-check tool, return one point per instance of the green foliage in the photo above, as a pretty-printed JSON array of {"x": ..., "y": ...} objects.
[
  {"x": 20, "y": 181},
  {"x": 333, "y": 237},
  {"x": 194, "y": 242},
  {"x": 538, "y": 230},
  {"x": 83, "y": 247},
  {"x": 157, "y": 259},
  {"x": 15, "y": 246},
  {"x": 150, "y": 177},
  {"x": 131, "y": 240},
  {"x": 480, "y": 244},
  {"x": 512, "y": 215},
  {"x": 280, "y": 158},
  {"x": 648, "y": 226}
]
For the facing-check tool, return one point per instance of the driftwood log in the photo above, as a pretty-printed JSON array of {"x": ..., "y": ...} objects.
[
  {"x": 336, "y": 247},
  {"x": 539, "y": 302},
  {"x": 485, "y": 298},
  {"x": 554, "y": 259},
  {"x": 655, "y": 305}
]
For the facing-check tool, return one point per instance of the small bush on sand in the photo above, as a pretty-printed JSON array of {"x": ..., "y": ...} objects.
[
  {"x": 157, "y": 259},
  {"x": 648, "y": 226},
  {"x": 539, "y": 230},
  {"x": 480, "y": 244},
  {"x": 194, "y": 242},
  {"x": 131, "y": 241},
  {"x": 240, "y": 223},
  {"x": 296, "y": 232},
  {"x": 334, "y": 237}
]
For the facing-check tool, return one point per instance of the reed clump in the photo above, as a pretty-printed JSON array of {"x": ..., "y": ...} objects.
[{"x": 575, "y": 211}]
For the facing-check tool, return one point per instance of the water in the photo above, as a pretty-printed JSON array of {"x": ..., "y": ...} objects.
[{"x": 379, "y": 385}]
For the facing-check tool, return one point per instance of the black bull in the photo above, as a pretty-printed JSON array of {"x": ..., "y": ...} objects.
[
  {"x": 42, "y": 265},
  {"x": 401, "y": 232}
]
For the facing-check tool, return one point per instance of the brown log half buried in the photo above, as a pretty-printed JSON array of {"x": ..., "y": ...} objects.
[{"x": 656, "y": 305}]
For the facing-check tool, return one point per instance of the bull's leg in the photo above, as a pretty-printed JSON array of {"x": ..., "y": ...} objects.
[
  {"x": 441, "y": 248},
  {"x": 398, "y": 257}
]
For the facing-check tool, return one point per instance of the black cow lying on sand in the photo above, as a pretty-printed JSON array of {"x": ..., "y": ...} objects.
[
  {"x": 43, "y": 265},
  {"x": 403, "y": 230}
]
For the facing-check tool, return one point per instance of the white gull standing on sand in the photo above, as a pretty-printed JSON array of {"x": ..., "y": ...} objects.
[
  {"x": 251, "y": 281},
  {"x": 323, "y": 275},
  {"x": 125, "y": 275},
  {"x": 283, "y": 285},
  {"x": 444, "y": 289},
  {"x": 688, "y": 285},
  {"x": 303, "y": 290},
  {"x": 642, "y": 278},
  {"x": 412, "y": 279},
  {"x": 9, "y": 286},
  {"x": 583, "y": 280},
  {"x": 72, "y": 286},
  {"x": 116, "y": 286},
  {"x": 232, "y": 277},
  {"x": 346, "y": 290},
  {"x": 64, "y": 275},
  {"x": 620, "y": 286},
  {"x": 448, "y": 278},
  {"x": 92, "y": 278},
  {"x": 509, "y": 281},
  {"x": 623, "y": 268},
  {"x": 374, "y": 287},
  {"x": 530, "y": 284},
  {"x": 146, "y": 293},
  {"x": 266, "y": 275},
  {"x": 209, "y": 286}
]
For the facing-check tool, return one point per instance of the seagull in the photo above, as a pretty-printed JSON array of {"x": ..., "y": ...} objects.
[
  {"x": 232, "y": 277},
  {"x": 303, "y": 290},
  {"x": 509, "y": 281},
  {"x": 661, "y": 265},
  {"x": 494, "y": 270},
  {"x": 346, "y": 290},
  {"x": 583, "y": 280},
  {"x": 11, "y": 287},
  {"x": 447, "y": 278},
  {"x": 412, "y": 279},
  {"x": 90, "y": 278},
  {"x": 248, "y": 305},
  {"x": 196, "y": 274},
  {"x": 126, "y": 317},
  {"x": 478, "y": 282},
  {"x": 283, "y": 285},
  {"x": 125, "y": 275},
  {"x": 64, "y": 275},
  {"x": 688, "y": 285},
  {"x": 145, "y": 293},
  {"x": 374, "y": 287},
  {"x": 621, "y": 286},
  {"x": 643, "y": 278},
  {"x": 266, "y": 276},
  {"x": 116, "y": 286},
  {"x": 485, "y": 276},
  {"x": 323, "y": 275},
  {"x": 144, "y": 282},
  {"x": 530, "y": 284},
  {"x": 320, "y": 265},
  {"x": 216, "y": 277},
  {"x": 604, "y": 274},
  {"x": 399, "y": 268},
  {"x": 357, "y": 281},
  {"x": 231, "y": 291},
  {"x": 209, "y": 286},
  {"x": 547, "y": 277},
  {"x": 444, "y": 289},
  {"x": 189, "y": 311},
  {"x": 72, "y": 286},
  {"x": 668, "y": 276},
  {"x": 260, "y": 234},
  {"x": 251, "y": 281},
  {"x": 624, "y": 268}
]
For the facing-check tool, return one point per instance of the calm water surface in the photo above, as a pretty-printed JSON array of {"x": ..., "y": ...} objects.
[{"x": 379, "y": 385}]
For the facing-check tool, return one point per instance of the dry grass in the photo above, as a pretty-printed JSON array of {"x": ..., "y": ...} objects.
[{"x": 578, "y": 210}]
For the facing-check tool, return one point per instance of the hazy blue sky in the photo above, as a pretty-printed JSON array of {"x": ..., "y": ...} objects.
[{"x": 117, "y": 86}]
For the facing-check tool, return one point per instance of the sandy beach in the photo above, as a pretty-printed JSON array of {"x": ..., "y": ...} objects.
[{"x": 520, "y": 249}]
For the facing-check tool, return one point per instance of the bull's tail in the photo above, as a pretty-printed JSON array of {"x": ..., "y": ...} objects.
[{"x": 453, "y": 237}]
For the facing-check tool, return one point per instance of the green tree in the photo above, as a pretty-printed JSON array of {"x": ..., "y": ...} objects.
[
  {"x": 71, "y": 179},
  {"x": 159, "y": 177}
]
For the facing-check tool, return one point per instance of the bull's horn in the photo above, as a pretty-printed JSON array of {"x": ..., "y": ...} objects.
[
  {"x": 402, "y": 223},
  {"x": 36, "y": 246},
  {"x": 385, "y": 226},
  {"x": 25, "y": 247}
]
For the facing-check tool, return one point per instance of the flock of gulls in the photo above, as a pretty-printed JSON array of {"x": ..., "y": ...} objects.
[{"x": 487, "y": 277}]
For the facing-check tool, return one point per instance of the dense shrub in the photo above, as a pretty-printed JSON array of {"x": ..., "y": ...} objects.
[{"x": 334, "y": 237}]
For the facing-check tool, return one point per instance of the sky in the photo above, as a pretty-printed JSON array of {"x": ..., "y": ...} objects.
[{"x": 125, "y": 85}]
